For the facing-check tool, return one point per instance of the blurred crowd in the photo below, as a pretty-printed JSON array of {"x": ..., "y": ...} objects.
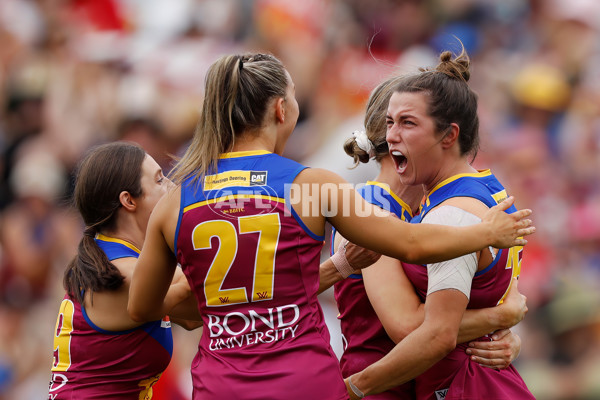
[{"x": 76, "y": 73}]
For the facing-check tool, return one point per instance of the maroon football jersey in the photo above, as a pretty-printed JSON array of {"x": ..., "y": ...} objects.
[
  {"x": 456, "y": 376},
  {"x": 91, "y": 363},
  {"x": 254, "y": 269}
]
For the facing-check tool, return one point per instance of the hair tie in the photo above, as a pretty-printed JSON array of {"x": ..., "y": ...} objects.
[
  {"x": 364, "y": 143},
  {"x": 241, "y": 60}
]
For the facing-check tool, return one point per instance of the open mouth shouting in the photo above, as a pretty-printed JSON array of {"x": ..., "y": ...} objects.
[{"x": 400, "y": 160}]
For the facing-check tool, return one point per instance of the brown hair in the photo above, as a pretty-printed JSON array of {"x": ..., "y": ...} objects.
[
  {"x": 104, "y": 173},
  {"x": 451, "y": 100},
  {"x": 375, "y": 123},
  {"x": 238, "y": 90}
]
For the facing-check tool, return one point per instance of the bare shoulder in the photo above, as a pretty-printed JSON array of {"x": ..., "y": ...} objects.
[
  {"x": 470, "y": 204},
  {"x": 318, "y": 175}
]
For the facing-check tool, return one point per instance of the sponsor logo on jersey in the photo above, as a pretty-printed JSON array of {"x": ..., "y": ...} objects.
[
  {"x": 441, "y": 394},
  {"x": 58, "y": 381},
  {"x": 165, "y": 324},
  {"x": 500, "y": 196},
  {"x": 235, "y": 178},
  {"x": 258, "y": 178},
  {"x": 237, "y": 329}
]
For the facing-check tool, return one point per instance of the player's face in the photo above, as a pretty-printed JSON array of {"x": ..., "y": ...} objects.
[
  {"x": 154, "y": 186},
  {"x": 291, "y": 113},
  {"x": 414, "y": 145}
]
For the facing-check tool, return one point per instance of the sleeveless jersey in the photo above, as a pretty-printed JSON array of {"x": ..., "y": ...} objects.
[
  {"x": 456, "y": 376},
  {"x": 254, "y": 268},
  {"x": 365, "y": 339},
  {"x": 92, "y": 363}
]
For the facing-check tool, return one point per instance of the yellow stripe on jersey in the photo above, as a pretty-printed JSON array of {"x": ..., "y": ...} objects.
[
  {"x": 115, "y": 240},
  {"x": 481, "y": 173},
  {"x": 386, "y": 187},
  {"x": 235, "y": 154},
  {"x": 232, "y": 197}
]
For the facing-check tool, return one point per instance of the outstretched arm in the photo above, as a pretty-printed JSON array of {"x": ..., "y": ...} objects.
[{"x": 370, "y": 227}]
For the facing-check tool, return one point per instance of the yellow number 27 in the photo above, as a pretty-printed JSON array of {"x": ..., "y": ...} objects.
[{"x": 268, "y": 227}]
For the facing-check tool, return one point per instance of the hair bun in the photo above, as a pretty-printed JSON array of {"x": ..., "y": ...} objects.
[{"x": 457, "y": 68}]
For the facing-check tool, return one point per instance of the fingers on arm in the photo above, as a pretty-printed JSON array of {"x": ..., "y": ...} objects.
[{"x": 505, "y": 204}]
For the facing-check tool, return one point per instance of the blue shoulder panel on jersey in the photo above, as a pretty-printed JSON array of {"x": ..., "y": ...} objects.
[
  {"x": 482, "y": 186},
  {"x": 116, "y": 248}
]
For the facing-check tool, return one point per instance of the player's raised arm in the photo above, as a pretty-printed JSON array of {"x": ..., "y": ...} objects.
[{"x": 368, "y": 226}]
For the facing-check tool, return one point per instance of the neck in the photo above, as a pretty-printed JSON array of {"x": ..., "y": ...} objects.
[
  {"x": 127, "y": 229},
  {"x": 261, "y": 140},
  {"x": 449, "y": 169}
]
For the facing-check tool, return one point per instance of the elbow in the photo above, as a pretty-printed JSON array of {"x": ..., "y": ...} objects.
[
  {"x": 447, "y": 345},
  {"x": 136, "y": 314},
  {"x": 398, "y": 333},
  {"x": 445, "y": 341},
  {"x": 414, "y": 252},
  {"x": 413, "y": 255},
  {"x": 442, "y": 339}
]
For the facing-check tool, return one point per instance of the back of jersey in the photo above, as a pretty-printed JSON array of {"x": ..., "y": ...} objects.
[{"x": 254, "y": 268}]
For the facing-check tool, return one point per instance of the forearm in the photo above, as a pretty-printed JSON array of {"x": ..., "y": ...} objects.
[
  {"x": 393, "y": 298},
  {"x": 478, "y": 323},
  {"x": 328, "y": 275},
  {"x": 183, "y": 304},
  {"x": 434, "y": 243},
  {"x": 421, "y": 243},
  {"x": 414, "y": 355},
  {"x": 420, "y": 350}
]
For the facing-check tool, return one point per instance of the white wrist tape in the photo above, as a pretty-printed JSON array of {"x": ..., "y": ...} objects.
[
  {"x": 355, "y": 390},
  {"x": 341, "y": 262}
]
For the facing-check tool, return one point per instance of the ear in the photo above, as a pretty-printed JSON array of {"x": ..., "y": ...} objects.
[
  {"x": 280, "y": 110},
  {"x": 127, "y": 201},
  {"x": 451, "y": 136}
]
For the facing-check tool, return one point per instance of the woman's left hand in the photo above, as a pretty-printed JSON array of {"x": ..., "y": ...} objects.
[{"x": 499, "y": 353}]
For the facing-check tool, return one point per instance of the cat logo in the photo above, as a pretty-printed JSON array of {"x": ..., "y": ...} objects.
[{"x": 258, "y": 178}]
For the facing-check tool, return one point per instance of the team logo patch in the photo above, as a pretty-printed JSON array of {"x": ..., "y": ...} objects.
[{"x": 441, "y": 394}]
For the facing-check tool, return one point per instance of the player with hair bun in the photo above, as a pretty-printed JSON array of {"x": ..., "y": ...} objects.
[
  {"x": 432, "y": 133},
  {"x": 383, "y": 292}
]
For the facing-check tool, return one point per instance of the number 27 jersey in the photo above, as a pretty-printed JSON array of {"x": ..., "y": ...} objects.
[{"x": 254, "y": 268}]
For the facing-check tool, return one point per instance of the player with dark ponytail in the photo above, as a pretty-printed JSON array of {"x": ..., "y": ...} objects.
[{"x": 99, "y": 351}]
